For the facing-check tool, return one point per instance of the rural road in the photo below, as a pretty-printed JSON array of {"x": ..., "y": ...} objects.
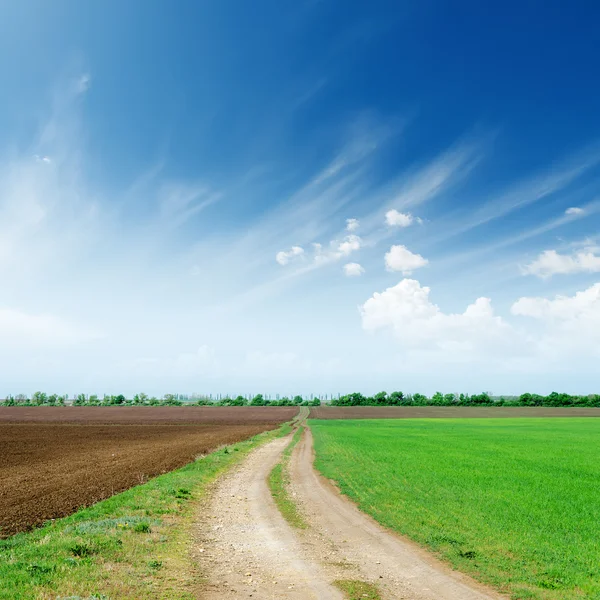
[{"x": 246, "y": 549}]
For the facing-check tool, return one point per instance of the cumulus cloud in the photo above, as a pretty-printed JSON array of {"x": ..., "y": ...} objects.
[
  {"x": 352, "y": 224},
  {"x": 285, "y": 256},
  {"x": 407, "y": 310},
  {"x": 574, "y": 210},
  {"x": 584, "y": 305},
  {"x": 571, "y": 324},
  {"x": 353, "y": 270},
  {"x": 336, "y": 250},
  {"x": 349, "y": 244},
  {"x": 397, "y": 219},
  {"x": 550, "y": 263},
  {"x": 400, "y": 258}
]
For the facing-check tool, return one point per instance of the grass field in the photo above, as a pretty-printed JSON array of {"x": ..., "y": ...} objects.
[{"x": 513, "y": 502}]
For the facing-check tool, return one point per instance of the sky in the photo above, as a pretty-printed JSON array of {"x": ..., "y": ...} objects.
[{"x": 308, "y": 197}]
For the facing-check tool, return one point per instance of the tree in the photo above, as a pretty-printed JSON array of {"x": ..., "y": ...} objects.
[
  {"x": 298, "y": 400},
  {"x": 437, "y": 399},
  {"x": 239, "y": 401},
  {"x": 171, "y": 400},
  {"x": 419, "y": 399},
  {"x": 380, "y": 399},
  {"x": 258, "y": 400},
  {"x": 396, "y": 398},
  {"x": 53, "y": 400},
  {"x": 316, "y": 402},
  {"x": 39, "y": 398},
  {"x": 80, "y": 400}
]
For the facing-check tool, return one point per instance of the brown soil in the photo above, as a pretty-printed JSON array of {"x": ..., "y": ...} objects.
[
  {"x": 447, "y": 412},
  {"x": 51, "y": 470},
  {"x": 230, "y": 415}
]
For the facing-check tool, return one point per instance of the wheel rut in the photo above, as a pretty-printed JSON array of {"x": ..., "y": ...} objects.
[{"x": 245, "y": 548}]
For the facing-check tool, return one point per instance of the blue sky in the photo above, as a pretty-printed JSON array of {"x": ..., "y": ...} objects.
[{"x": 299, "y": 197}]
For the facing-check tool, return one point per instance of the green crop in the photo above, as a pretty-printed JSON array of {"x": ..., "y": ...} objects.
[{"x": 513, "y": 502}]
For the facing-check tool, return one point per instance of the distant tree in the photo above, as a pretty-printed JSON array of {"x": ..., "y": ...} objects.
[
  {"x": 80, "y": 400},
  {"x": 380, "y": 399},
  {"x": 21, "y": 399},
  {"x": 396, "y": 398},
  {"x": 298, "y": 400},
  {"x": 239, "y": 401},
  {"x": 9, "y": 401},
  {"x": 170, "y": 400},
  {"x": 315, "y": 402},
  {"x": 119, "y": 399},
  {"x": 420, "y": 399},
  {"x": 258, "y": 400},
  {"x": 53, "y": 399},
  {"x": 450, "y": 399},
  {"x": 39, "y": 398},
  {"x": 154, "y": 401}
]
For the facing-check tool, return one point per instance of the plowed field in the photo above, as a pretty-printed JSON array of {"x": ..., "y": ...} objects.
[
  {"x": 447, "y": 412},
  {"x": 49, "y": 470},
  {"x": 230, "y": 415}
]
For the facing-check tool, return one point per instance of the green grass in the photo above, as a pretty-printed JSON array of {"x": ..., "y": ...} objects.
[
  {"x": 133, "y": 545},
  {"x": 513, "y": 502},
  {"x": 357, "y": 590},
  {"x": 279, "y": 481}
]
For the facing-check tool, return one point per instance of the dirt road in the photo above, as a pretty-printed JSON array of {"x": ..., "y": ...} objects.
[
  {"x": 246, "y": 549},
  {"x": 370, "y": 552}
]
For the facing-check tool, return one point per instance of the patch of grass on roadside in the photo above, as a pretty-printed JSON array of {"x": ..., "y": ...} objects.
[
  {"x": 513, "y": 502},
  {"x": 132, "y": 545},
  {"x": 279, "y": 481},
  {"x": 357, "y": 590}
]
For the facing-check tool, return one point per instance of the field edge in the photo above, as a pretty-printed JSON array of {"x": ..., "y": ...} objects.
[{"x": 129, "y": 545}]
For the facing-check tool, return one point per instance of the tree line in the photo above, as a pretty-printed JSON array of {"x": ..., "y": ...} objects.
[
  {"x": 483, "y": 399},
  {"x": 141, "y": 399},
  {"x": 354, "y": 399}
]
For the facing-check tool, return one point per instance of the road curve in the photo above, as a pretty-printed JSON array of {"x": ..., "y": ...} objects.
[
  {"x": 243, "y": 545},
  {"x": 369, "y": 551}
]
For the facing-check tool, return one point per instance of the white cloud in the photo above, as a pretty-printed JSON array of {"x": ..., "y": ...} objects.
[
  {"x": 583, "y": 305},
  {"x": 571, "y": 326},
  {"x": 551, "y": 263},
  {"x": 284, "y": 257},
  {"x": 574, "y": 210},
  {"x": 406, "y": 309},
  {"x": 353, "y": 270},
  {"x": 352, "y": 224},
  {"x": 44, "y": 159},
  {"x": 397, "y": 219},
  {"x": 400, "y": 258},
  {"x": 349, "y": 244}
]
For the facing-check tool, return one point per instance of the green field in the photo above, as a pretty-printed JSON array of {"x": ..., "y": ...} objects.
[{"x": 513, "y": 502}]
